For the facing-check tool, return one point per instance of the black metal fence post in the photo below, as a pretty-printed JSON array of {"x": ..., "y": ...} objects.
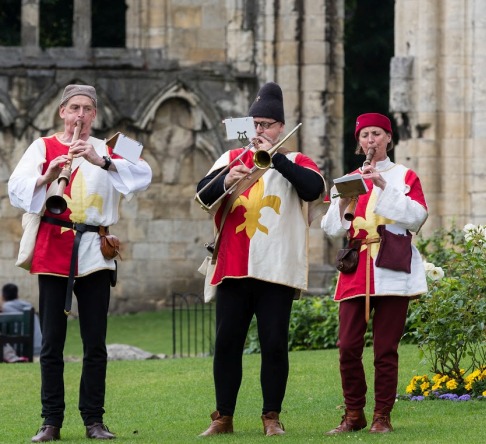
[{"x": 192, "y": 325}]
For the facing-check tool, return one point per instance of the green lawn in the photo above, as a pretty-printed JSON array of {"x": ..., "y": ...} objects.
[
  {"x": 169, "y": 400},
  {"x": 151, "y": 331}
]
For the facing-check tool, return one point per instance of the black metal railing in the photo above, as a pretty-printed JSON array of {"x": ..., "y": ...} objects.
[{"x": 192, "y": 325}]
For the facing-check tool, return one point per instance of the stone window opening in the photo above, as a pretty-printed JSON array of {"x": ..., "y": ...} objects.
[
  {"x": 63, "y": 23},
  {"x": 10, "y": 23}
]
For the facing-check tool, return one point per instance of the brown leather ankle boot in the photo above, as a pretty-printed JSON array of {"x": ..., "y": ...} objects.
[
  {"x": 352, "y": 421},
  {"x": 381, "y": 422},
  {"x": 272, "y": 424},
  {"x": 219, "y": 424}
]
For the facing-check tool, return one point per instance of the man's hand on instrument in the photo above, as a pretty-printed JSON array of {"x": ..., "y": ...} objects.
[
  {"x": 81, "y": 148},
  {"x": 53, "y": 170},
  {"x": 262, "y": 143},
  {"x": 235, "y": 174}
]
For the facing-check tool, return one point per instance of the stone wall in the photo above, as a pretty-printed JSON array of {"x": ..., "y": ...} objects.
[
  {"x": 438, "y": 95},
  {"x": 187, "y": 65}
]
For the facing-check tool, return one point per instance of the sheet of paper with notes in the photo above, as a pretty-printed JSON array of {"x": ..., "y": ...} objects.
[
  {"x": 351, "y": 185},
  {"x": 125, "y": 147}
]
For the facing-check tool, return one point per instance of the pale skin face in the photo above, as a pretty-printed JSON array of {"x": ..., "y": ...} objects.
[
  {"x": 79, "y": 109},
  {"x": 371, "y": 137},
  {"x": 264, "y": 140}
]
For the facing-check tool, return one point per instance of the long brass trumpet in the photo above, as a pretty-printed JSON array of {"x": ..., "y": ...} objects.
[
  {"x": 262, "y": 160},
  {"x": 351, "y": 208},
  {"x": 56, "y": 204}
]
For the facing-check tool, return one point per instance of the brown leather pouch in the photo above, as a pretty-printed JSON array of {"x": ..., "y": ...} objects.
[
  {"x": 109, "y": 243},
  {"x": 347, "y": 260}
]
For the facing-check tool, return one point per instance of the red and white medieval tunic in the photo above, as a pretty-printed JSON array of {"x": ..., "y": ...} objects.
[
  {"x": 92, "y": 195},
  {"x": 265, "y": 234},
  {"x": 400, "y": 207}
]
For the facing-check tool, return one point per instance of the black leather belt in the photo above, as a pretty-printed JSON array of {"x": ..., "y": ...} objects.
[{"x": 80, "y": 230}]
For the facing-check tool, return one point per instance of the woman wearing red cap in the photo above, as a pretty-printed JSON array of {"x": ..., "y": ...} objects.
[{"x": 387, "y": 276}]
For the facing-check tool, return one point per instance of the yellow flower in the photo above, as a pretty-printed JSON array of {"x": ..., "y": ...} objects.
[
  {"x": 475, "y": 374},
  {"x": 436, "y": 377},
  {"x": 424, "y": 386},
  {"x": 484, "y": 393},
  {"x": 426, "y": 393},
  {"x": 452, "y": 384}
]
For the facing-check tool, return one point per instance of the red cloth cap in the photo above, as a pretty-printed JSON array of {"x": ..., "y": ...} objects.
[{"x": 372, "y": 119}]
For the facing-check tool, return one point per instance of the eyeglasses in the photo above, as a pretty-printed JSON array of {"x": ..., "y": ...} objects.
[{"x": 264, "y": 125}]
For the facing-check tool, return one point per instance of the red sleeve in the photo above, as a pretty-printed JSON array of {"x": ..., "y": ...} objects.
[
  {"x": 416, "y": 193},
  {"x": 306, "y": 162}
]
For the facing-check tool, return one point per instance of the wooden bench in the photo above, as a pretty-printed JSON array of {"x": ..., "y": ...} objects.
[{"x": 17, "y": 329}]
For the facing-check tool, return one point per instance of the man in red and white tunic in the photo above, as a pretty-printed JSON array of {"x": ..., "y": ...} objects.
[
  {"x": 396, "y": 204},
  {"x": 98, "y": 181},
  {"x": 262, "y": 260}
]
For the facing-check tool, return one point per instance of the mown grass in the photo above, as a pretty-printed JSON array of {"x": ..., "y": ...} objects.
[
  {"x": 150, "y": 331},
  {"x": 169, "y": 400}
]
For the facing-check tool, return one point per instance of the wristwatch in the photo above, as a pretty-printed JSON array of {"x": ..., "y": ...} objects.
[{"x": 107, "y": 162}]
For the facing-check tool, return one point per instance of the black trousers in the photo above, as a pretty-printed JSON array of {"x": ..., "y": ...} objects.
[
  {"x": 93, "y": 296},
  {"x": 237, "y": 300}
]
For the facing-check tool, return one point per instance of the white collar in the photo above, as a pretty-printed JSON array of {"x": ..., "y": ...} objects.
[{"x": 383, "y": 165}]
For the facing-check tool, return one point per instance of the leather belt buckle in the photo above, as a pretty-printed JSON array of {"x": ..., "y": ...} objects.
[{"x": 80, "y": 227}]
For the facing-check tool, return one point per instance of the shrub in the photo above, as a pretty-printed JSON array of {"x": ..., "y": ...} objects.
[
  {"x": 449, "y": 320},
  {"x": 314, "y": 323}
]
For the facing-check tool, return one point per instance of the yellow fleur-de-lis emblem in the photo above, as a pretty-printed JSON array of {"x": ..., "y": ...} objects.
[
  {"x": 370, "y": 222},
  {"x": 254, "y": 204},
  {"x": 80, "y": 201}
]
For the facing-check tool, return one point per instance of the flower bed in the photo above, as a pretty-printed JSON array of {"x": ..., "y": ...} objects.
[{"x": 444, "y": 387}]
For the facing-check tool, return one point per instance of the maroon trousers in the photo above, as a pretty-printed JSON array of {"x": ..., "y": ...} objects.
[{"x": 389, "y": 317}]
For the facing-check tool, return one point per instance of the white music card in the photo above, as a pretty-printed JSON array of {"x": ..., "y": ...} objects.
[
  {"x": 241, "y": 128},
  {"x": 125, "y": 147}
]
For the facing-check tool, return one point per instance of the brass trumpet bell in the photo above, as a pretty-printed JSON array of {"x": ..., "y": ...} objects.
[{"x": 262, "y": 159}]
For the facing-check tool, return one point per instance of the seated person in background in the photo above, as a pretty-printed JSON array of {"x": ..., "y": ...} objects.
[
  {"x": 10, "y": 356},
  {"x": 12, "y": 304}
]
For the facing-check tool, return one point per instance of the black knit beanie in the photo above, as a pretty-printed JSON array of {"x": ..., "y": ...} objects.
[{"x": 268, "y": 103}]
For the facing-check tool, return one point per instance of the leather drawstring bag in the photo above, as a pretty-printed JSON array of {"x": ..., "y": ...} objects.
[{"x": 109, "y": 244}]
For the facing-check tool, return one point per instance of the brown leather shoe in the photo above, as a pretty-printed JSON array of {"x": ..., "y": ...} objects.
[
  {"x": 98, "y": 430},
  {"x": 352, "y": 421},
  {"x": 219, "y": 424},
  {"x": 47, "y": 433},
  {"x": 272, "y": 424},
  {"x": 381, "y": 423}
]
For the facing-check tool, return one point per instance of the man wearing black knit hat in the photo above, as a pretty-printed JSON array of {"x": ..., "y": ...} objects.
[{"x": 261, "y": 262}]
